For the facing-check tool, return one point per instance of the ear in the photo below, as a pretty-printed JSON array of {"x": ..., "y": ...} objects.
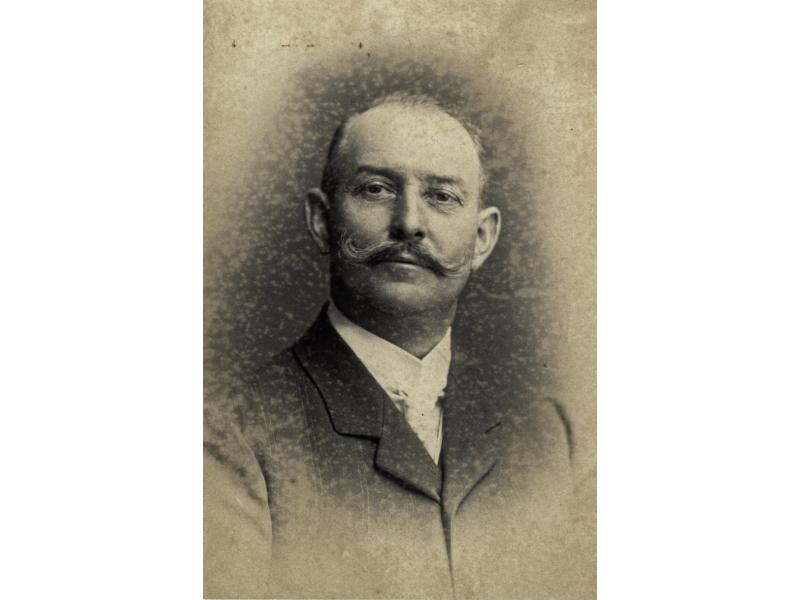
[
  {"x": 317, "y": 208},
  {"x": 488, "y": 232}
]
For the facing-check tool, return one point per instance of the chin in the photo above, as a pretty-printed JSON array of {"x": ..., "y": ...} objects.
[
  {"x": 399, "y": 292},
  {"x": 401, "y": 298}
]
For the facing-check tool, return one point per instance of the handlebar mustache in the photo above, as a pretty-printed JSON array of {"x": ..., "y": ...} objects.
[{"x": 353, "y": 252}]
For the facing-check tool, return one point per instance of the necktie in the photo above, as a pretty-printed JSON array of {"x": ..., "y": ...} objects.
[{"x": 423, "y": 412}]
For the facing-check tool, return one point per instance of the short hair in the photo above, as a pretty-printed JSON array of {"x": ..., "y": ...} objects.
[{"x": 330, "y": 173}]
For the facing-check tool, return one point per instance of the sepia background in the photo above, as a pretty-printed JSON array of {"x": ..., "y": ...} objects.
[{"x": 280, "y": 76}]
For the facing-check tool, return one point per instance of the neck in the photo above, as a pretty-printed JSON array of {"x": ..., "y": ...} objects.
[{"x": 416, "y": 333}]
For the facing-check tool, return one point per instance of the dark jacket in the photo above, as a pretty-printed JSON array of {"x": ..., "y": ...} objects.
[{"x": 316, "y": 487}]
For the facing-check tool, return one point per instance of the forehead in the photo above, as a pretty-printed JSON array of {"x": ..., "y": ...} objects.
[{"x": 413, "y": 140}]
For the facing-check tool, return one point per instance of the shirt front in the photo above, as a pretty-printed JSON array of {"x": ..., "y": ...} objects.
[{"x": 414, "y": 385}]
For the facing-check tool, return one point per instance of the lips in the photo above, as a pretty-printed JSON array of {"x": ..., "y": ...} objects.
[{"x": 406, "y": 259}]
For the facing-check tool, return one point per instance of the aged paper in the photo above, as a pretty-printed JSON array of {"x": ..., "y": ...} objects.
[{"x": 279, "y": 78}]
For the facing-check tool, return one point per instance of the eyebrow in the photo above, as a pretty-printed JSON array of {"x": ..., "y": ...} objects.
[{"x": 427, "y": 177}]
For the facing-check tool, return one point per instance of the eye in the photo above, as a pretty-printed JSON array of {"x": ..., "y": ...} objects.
[
  {"x": 444, "y": 197},
  {"x": 375, "y": 190}
]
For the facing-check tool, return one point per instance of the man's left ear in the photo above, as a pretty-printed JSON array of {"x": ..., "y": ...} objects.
[{"x": 488, "y": 232}]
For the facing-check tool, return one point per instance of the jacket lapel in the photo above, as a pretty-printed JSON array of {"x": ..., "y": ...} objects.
[
  {"x": 401, "y": 455},
  {"x": 471, "y": 425},
  {"x": 353, "y": 399},
  {"x": 359, "y": 407}
]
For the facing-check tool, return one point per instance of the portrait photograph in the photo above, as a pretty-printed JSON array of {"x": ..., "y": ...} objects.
[{"x": 399, "y": 300}]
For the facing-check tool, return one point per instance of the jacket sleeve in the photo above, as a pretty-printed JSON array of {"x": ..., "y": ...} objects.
[{"x": 237, "y": 531}]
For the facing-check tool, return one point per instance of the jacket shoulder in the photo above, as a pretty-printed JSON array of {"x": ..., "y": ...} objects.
[
  {"x": 281, "y": 375},
  {"x": 254, "y": 405}
]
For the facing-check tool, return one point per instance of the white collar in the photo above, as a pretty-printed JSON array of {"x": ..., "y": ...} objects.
[{"x": 391, "y": 366}]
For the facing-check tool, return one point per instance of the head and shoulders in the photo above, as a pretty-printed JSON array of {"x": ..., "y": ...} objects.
[{"x": 403, "y": 217}]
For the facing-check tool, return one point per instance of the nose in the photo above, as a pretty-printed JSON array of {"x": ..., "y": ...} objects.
[{"x": 408, "y": 219}]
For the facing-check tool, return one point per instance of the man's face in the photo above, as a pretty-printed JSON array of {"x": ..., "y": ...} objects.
[{"x": 407, "y": 208}]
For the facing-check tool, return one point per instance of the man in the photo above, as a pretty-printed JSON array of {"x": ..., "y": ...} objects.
[{"x": 366, "y": 461}]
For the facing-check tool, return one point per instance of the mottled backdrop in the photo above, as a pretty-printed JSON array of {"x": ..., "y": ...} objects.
[{"x": 280, "y": 76}]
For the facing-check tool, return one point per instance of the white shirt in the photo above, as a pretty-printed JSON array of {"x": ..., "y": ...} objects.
[{"x": 414, "y": 385}]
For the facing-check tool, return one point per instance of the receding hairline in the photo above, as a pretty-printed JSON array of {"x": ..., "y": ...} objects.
[{"x": 331, "y": 173}]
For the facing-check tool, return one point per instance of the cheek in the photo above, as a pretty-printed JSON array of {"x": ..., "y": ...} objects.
[
  {"x": 362, "y": 219},
  {"x": 455, "y": 238}
]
